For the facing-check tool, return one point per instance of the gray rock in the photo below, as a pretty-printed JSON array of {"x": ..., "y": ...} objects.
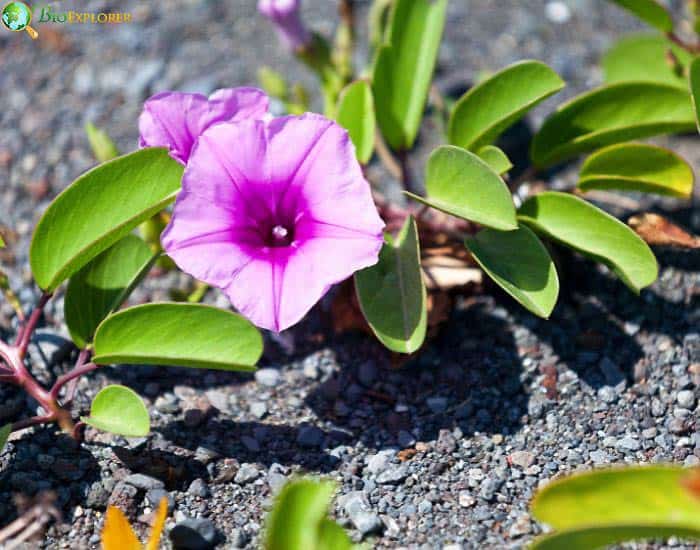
[
  {"x": 366, "y": 522},
  {"x": 393, "y": 475},
  {"x": 686, "y": 399},
  {"x": 258, "y": 409},
  {"x": 246, "y": 473},
  {"x": 144, "y": 482},
  {"x": 198, "y": 488},
  {"x": 367, "y": 373},
  {"x": 628, "y": 443},
  {"x": 310, "y": 436},
  {"x": 268, "y": 377},
  {"x": 276, "y": 481},
  {"x": 154, "y": 496},
  {"x": 194, "y": 534},
  {"x": 379, "y": 462},
  {"x": 522, "y": 459},
  {"x": 466, "y": 500},
  {"x": 437, "y": 404}
]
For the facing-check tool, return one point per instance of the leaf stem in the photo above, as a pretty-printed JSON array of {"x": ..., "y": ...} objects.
[
  {"x": 78, "y": 371},
  {"x": 25, "y": 335},
  {"x": 678, "y": 41}
]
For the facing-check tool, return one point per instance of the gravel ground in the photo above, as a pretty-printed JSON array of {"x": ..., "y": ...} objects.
[{"x": 444, "y": 452}]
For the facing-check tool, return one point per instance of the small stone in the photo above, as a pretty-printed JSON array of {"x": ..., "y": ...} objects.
[
  {"x": 379, "y": 462},
  {"x": 310, "y": 436},
  {"x": 393, "y": 475},
  {"x": 466, "y": 500},
  {"x": 437, "y": 404},
  {"x": 198, "y": 488},
  {"x": 276, "y": 481},
  {"x": 246, "y": 473},
  {"x": 649, "y": 433},
  {"x": 522, "y": 459},
  {"x": 628, "y": 443},
  {"x": 489, "y": 487},
  {"x": 686, "y": 399},
  {"x": 167, "y": 403},
  {"x": 123, "y": 496},
  {"x": 97, "y": 496},
  {"x": 657, "y": 408},
  {"x": 194, "y": 534},
  {"x": 258, "y": 409},
  {"x": 366, "y": 522},
  {"x": 155, "y": 496},
  {"x": 425, "y": 506},
  {"x": 406, "y": 439},
  {"x": 268, "y": 377},
  {"x": 367, "y": 373},
  {"x": 144, "y": 482},
  {"x": 607, "y": 394},
  {"x": 599, "y": 457},
  {"x": 557, "y": 12},
  {"x": 521, "y": 526},
  {"x": 691, "y": 461},
  {"x": 677, "y": 426}
]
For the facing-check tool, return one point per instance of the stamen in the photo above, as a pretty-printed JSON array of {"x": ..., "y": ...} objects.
[{"x": 279, "y": 232}]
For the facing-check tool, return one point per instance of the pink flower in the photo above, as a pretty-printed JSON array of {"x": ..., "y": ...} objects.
[
  {"x": 284, "y": 14},
  {"x": 274, "y": 213},
  {"x": 175, "y": 120}
]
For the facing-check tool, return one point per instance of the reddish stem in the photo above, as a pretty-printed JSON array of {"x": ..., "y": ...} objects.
[
  {"x": 27, "y": 331},
  {"x": 77, "y": 372}
]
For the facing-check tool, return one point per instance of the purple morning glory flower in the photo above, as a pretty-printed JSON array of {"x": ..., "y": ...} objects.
[
  {"x": 175, "y": 119},
  {"x": 274, "y": 213},
  {"x": 284, "y": 14}
]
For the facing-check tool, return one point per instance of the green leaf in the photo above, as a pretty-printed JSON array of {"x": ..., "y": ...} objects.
[
  {"x": 589, "y": 538},
  {"x": 98, "y": 209},
  {"x": 2, "y": 242},
  {"x": 102, "y": 146},
  {"x": 695, "y": 88},
  {"x": 606, "y": 506},
  {"x": 298, "y": 517},
  {"x": 612, "y": 114},
  {"x": 177, "y": 334},
  {"x": 332, "y": 536},
  {"x": 461, "y": 184},
  {"x": 119, "y": 410},
  {"x": 637, "y": 167},
  {"x": 403, "y": 70},
  {"x": 520, "y": 264},
  {"x": 103, "y": 285},
  {"x": 495, "y": 104},
  {"x": 580, "y": 225},
  {"x": 392, "y": 294},
  {"x": 495, "y": 158},
  {"x": 5, "y": 432},
  {"x": 649, "y": 11},
  {"x": 643, "y": 58},
  {"x": 356, "y": 115}
]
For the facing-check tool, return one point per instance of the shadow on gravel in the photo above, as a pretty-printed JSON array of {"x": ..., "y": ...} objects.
[{"x": 43, "y": 461}]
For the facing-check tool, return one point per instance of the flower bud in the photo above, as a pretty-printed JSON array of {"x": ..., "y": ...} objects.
[{"x": 284, "y": 14}]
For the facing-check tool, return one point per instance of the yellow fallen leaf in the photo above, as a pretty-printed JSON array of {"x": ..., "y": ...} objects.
[
  {"x": 158, "y": 525},
  {"x": 118, "y": 534}
]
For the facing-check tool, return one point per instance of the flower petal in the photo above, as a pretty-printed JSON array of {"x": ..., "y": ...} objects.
[{"x": 175, "y": 120}]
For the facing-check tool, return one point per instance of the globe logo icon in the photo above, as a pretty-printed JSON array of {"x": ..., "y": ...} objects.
[{"x": 16, "y": 16}]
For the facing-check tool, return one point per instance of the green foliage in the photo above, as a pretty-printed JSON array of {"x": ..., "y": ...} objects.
[
  {"x": 580, "y": 225},
  {"x": 460, "y": 183},
  {"x": 649, "y": 11},
  {"x": 273, "y": 83},
  {"x": 5, "y": 432},
  {"x": 102, "y": 146},
  {"x": 495, "y": 104},
  {"x": 98, "y": 209},
  {"x": 178, "y": 334},
  {"x": 612, "y": 114},
  {"x": 103, "y": 285},
  {"x": 520, "y": 264},
  {"x": 392, "y": 293},
  {"x": 403, "y": 70},
  {"x": 298, "y": 519},
  {"x": 637, "y": 167},
  {"x": 119, "y": 410},
  {"x": 356, "y": 114},
  {"x": 495, "y": 158},
  {"x": 695, "y": 88},
  {"x": 644, "y": 58},
  {"x": 596, "y": 509}
]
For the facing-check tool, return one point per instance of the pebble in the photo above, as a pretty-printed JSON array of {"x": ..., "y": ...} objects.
[
  {"x": 246, "y": 473},
  {"x": 144, "y": 482},
  {"x": 628, "y": 443},
  {"x": 258, "y": 409},
  {"x": 393, "y": 475},
  {"x": 194, "y": 534},
  {"x": 466, "y": 500},
  {"x": 310, "y": 436},
  {"x": 522, "y": 459},
  {"x": 437, "y": 404},
  {"x": 268, "y": 377},
  {"x": 367, "y": 522},
  {"x": 557, "y": 12},
  {"x": 198, "y": 488},
  {"x": 686, "y": 399},
  {"x": 379, "y": 462}
]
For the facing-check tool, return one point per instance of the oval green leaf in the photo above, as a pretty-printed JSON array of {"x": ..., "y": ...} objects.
[
  {"x": 403, "y": 70},
  {"x": 612, "y": 114},
  {"x": 5, "y": 432},
  {"x": 103, "y": 285},
  {"x": 695, "y": 88},
  {"x": 461, "y": 184},
  {"x": 637, "y": 167},
  {"x": 98, "y": 209},
  {"x": 520, "y": 264},
  {"x": 495, "y": 104},
  {"x": 643, "y": 58},
  {"x": 178, "y": 334},
  {"x": 578, "y": 224},
  {"x": 119, "y": 410},
  {"x": 495, "y": 158},
  {"x": 590, "y": 538},
  {"x": 647, "y": 495},
  {"x": 649, "y": 11},
  {"x": 356, "y": 115},
  {"x": 392, "y": 294},
  {"x": 297, "y": 520}
]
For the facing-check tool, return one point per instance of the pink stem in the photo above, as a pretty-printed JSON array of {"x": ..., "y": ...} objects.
[
  {"x": 77, "y": 372},
  {"x": 28, "y": 330}
]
